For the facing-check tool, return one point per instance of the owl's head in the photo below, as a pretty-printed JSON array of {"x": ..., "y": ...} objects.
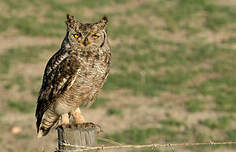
[{"x": 88, "y": 34}]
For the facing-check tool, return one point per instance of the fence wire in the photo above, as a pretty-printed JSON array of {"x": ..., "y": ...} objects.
[{"x": 152, "y": 146}]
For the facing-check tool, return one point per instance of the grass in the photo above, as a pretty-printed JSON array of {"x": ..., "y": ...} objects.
[
  {"x": 18, "y": 81},
  {"x": 21, "y": 106},
  {"x": 147, "y": 84},
  {"x": 24, "y": 137},
  {"x": 195, "y": 105},
  {"x": 135, "y": 135},
  {"x": 1, "y": 116},
  {"x": 37, "y": 81},
  {"x": 100, "y": 102},
  {"x": 167, "y": 135},
  {"x": 13, "y": 56},
  {"x": 231, "y": 135},
  {"x": 170, "y": 122},
  {"x": 180, "y": 14},
  {"x": 230, "y": 40},
  {"x": 33, "y": 28},
  {"x": 51, "y": 23},
  {"x": 148, "y": 135},
  {"x": 133, "y": 81},
  {"x": 220, "y": 123},
  {"x": 114, "y": 111},
  {"x": 223, "y": 91}
]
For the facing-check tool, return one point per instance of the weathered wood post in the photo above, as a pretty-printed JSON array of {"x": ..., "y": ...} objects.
[{"x": 79, "y": 135}]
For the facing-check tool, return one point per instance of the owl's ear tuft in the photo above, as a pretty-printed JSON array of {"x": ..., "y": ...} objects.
[
  {"x": 103, "y": 22},
  {"x": 104, "y": 19},
  {"x": 70, "y": 21}
]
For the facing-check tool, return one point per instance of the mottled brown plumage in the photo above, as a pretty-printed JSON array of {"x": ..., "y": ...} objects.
[{"x": 74, "y": 74}]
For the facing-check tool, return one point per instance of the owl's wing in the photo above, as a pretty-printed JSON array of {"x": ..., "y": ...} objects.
[{"x": 55, "y": 83}]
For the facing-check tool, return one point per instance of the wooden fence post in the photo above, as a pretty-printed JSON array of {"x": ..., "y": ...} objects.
[{"x": 79, "y": 135}]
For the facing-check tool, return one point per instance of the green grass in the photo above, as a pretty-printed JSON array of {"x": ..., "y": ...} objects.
[
  {"x": 167, "y": 135},
  {"x": 18, "y": 81},
  {"x": 146, "y": 84},
  {"x": 114, "y": 111},
  {"x": 180, "y": 14},
  {"x": 220, "y": 123},
  {"x": 157, "y": 135},
  {"x": 51, "y": 23},
  {"x": 138, "y": 61},
  {"x": 33, "y": 28},
  {"x": 231, "y": 135},
  {"x": 195, "y": 105},
  {"x": 100, "y": 102},
  {"x": 223, "y": 91},
  {"x": 36, "y": 81},
  {"x": 131, "y": 81},
  {"x": 137, "y": 135},
  {"x": 170, "y": 122},
  {"x": 30, "y": 54},
  {"x": 231, "y": 40},
  {"x": 21, "y": 106},
  {"x": 1, "y": 116},
  {"x": 24, "y": 136}
]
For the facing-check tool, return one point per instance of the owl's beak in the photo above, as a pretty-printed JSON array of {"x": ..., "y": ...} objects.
[{"x": 85, "y": 43}]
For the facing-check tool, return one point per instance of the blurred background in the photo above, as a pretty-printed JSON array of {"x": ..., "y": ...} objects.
[{"x": 173, "y": 75}]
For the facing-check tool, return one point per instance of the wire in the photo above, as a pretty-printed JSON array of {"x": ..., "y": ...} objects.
[{"x": 85, "y": 148}]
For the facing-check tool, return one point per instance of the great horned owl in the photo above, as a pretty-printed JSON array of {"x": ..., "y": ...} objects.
[{"x": 73, "y": 75}]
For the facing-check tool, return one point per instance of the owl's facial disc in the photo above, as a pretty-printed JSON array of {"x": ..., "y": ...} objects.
[
  {"x": 91, "y": 39},
  {"x": 88, "y": 34},
  {"x": 75, "y": 37},
  {"x": 85, "y": 42}
]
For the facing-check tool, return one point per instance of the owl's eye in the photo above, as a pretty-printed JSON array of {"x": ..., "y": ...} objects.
[
  {"x": 95, "y": 36},
  {"x": 77, "y": 35}
]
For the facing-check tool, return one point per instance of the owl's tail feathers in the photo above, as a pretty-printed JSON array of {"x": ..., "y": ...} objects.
[
  {"x": 43, "y": 132},
  {"x": 46, "y": 122},
  {"x": 40, "y": 134},
  {"x": 39, "y": 131}
]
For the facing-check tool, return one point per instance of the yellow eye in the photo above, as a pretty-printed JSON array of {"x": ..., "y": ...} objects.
[
  {"x": 76, "y": 35},
  {"x": 94, "y": 36}
]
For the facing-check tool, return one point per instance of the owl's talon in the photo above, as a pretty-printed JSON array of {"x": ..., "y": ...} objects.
[
  {"x": 66, "y": 125},
  {"x": 85, "y": 125}
]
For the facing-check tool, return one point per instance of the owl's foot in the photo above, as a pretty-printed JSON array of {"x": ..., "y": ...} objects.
[
  {"x": 81, "y": 125},
  {"x": 77, "y": 116},
  {"x": 63, "y": 121},
  {"x": 85, "y": 126}
]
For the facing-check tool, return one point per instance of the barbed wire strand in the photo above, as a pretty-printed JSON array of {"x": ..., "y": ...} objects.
[
  {"x": 86, "y": 148},
  {"x": 109, "y": 141},
  {"x": 171, "y": 148}
]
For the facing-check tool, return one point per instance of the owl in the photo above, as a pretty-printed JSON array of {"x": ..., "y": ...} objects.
[{"x": 73, "y": 75}]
